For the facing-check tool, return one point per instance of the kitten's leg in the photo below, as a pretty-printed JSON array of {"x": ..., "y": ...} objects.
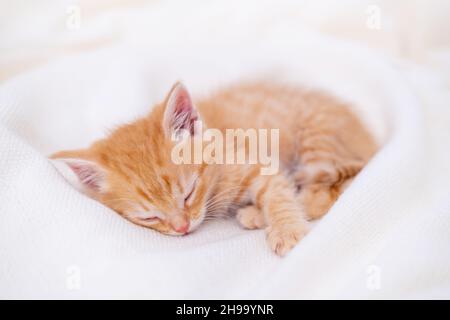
[
  {"x": 275, "y": 197},
  {"x": 326, "y": 167},
  {"x": 327, "y": 172},
  {"x": 318, "y": 198},
  {"x": 250, "y": 217},
  {"x": 325, "y": 158}
]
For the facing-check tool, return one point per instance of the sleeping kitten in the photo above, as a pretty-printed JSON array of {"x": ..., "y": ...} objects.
[{"x": 322, "y": 147}]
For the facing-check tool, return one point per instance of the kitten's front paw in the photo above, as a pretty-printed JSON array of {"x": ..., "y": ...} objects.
[
  {"x": 250, "y": 217},
  {"x": 283, "y": 238}
]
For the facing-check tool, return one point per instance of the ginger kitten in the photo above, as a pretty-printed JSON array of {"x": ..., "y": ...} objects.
[{"x": 322, "y": 147}]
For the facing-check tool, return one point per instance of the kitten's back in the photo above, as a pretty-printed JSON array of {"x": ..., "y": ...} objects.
[{"x": 306, "y": 119}]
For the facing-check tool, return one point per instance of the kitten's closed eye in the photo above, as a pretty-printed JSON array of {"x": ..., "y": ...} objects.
[
  {"x": 149, "y": 217},
  {"x": 189, "y": 195}
]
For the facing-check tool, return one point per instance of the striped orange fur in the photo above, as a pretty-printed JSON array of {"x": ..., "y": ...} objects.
[{"x": 323, "y": 145}]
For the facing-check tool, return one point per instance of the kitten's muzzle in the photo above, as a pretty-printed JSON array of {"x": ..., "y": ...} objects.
[{"x": 180, "y": 224}]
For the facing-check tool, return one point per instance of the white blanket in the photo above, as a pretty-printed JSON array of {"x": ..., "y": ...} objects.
[{"x": 388, "y": 236}]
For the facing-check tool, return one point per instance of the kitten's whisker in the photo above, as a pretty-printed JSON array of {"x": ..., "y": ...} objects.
[
  {"x": 225, "y": 209},
  {"x": 223, "y": 205},
  {"x": 220, "y": 200},
  {"x": 217, "y": 195}
]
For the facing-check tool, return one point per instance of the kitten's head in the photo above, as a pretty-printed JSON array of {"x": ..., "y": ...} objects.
[{"x": 132, "y": 171}]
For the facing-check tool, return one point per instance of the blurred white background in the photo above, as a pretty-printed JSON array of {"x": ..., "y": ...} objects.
[{"x": 33, "y": 32}]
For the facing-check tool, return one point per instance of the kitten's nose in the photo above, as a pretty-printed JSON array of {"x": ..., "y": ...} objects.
[
  {"x": 183, "y": 229},
  {"x": 180, "y": 224}
]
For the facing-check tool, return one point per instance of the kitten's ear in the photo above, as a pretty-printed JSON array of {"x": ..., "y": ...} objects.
[
  {"x": 180, "y": 113},
  {"x": 89, "y": 176}
]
